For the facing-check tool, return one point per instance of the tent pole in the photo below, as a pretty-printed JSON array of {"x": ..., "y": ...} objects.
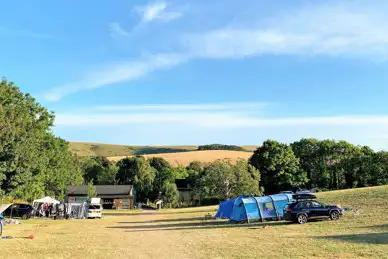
[
  {"x": 274, "y": 207},
  {"x": 246, "y": 213},
  {"x": 258, "y": 209}
]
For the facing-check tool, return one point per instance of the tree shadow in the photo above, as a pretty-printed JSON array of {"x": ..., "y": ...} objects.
[
  {"x": 368, "y": 238},
  {"x": 163, "y": 220},
  {"x": 377, "y": 227},
  {"x": 198, "y": 225},
  {"x": 155, "y": 213}
]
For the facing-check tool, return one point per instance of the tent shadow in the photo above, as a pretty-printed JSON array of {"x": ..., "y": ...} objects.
[
  {"x": 198, "y": 225},
  {"x": 369, "y": 238}
]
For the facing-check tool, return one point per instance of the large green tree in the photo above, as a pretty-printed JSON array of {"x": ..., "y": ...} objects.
[
  {"x": 137, "y": 171},
  {"x": 33, "y": 162},
  {"x": 222, "y": 180},
  {"x": 279, "y": 167}
]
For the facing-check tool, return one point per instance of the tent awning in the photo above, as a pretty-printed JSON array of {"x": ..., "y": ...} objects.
[
  {"x": 3, "y": 207},
  {"x": 46, "y": 199}
]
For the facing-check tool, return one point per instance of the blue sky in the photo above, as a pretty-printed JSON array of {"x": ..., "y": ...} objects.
[{"x": 195, "y": 72}]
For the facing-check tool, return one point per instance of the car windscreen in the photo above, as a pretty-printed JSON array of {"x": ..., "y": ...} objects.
[{"x": 94, "y": 207}]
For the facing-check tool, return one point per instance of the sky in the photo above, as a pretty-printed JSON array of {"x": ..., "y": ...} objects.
[{"x": 200, "y": 72}]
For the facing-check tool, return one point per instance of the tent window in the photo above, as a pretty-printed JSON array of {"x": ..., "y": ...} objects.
[{"x": 267, "y": 206}]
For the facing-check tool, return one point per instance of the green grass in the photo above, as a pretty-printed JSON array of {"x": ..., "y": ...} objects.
[
  {"x": 110, "y": 150},
  {"x": 182, "y": 233}
]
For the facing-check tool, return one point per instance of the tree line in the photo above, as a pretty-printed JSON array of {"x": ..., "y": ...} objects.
[
  {"x": 221, "y": 147},
  {"x": 34, "y": 162}
]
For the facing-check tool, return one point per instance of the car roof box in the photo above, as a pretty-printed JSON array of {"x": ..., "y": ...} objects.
[{"x": 304, "y": 196}]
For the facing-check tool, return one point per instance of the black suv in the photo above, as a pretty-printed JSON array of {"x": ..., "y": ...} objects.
[
  {"x": 24, "y": 211},
  {"x": 306, "y": 206}
]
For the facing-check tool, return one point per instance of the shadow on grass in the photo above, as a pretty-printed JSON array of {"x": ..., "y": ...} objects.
[
  {"x": 153, "y": 213},
  {"x": 369, "y": 238},
  {"x": 198, "y": 225},
  {"x": 377, "y": 227},
  {"x": 162, "y": 220}
]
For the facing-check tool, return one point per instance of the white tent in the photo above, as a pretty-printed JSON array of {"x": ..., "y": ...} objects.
[{"x": 46, "y": 199}]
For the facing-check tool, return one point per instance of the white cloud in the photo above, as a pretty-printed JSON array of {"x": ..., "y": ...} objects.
[
  {"x": 117, "y": 31},
  {"x": 247, "y": 106},
  {"x": 336, "y": 29},
  {"x": 156, "y": 11},
  {"x": 214, "y": 119},
  {"x": 113, "y": 74},
  {"x": 201, "y": 124},
  {"x": 235, "y": 123}
]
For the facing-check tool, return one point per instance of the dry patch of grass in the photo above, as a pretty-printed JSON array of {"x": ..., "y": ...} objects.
[
  {"x": 185, "y": 158},
  {"x": 182, "y": 233}
]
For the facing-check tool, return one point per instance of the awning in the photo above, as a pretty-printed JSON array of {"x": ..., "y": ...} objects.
[
  {"x": 3, "y": 207},
  {"x": 46, "y": 199}
]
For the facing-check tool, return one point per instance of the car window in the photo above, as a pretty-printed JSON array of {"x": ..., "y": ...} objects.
[
  {"x": 316, "y": 204},
  {"x": 300, "y": 205},
  {"x": 94, "y": 207}
]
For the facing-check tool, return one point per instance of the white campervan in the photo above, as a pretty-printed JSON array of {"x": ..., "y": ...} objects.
[{"x": 95, "y": 208}]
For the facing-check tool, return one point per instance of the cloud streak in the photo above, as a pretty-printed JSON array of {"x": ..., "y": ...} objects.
[
  {"x": 116, "y": 31},
  {"x": 344, "y": 29},
  {"x": 127, "y": 71}
]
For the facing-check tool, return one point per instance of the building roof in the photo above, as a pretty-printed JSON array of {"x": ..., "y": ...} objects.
[{"x": 101, "y": 190}]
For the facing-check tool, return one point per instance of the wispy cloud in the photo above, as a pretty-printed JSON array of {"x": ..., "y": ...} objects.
[
  {"x": 336, "y": 29},
  {"x": 126, "y": 71},
  {"x": 232, "y": 106},
  {"x": 156, "y": 11},
  {"x": 344, "y": 29},
  {"x": 10, "y": 32},
  {"x": 116, "y": 31}
]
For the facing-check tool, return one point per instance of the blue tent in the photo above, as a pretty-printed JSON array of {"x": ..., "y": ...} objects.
[
  {"x": 225, "y": 209},
  {"x": 259, "y": 208}
]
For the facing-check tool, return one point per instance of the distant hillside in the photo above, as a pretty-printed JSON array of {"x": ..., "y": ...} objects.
[
  {"x": 184, "y": 158},
  {"x": 110, "y": 150}
]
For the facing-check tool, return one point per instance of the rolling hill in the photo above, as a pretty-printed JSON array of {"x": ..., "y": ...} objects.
[
  {"x": 184, "y": 158},
  {"x": 108, "y": 150},
  {"x": 176, "y": 155}
]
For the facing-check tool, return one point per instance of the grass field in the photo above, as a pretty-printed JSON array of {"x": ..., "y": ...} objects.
[
  {"x": 181, "y": 233},
  {"x": 109, "y": 150},
  {"x": 184, "y": 158}
]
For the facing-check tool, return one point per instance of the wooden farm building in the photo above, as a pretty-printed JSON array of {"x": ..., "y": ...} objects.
[{"x": 112, "y": 196}]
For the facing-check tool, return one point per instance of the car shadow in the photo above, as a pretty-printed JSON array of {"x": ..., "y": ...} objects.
[{"x": 368, "y": 238}]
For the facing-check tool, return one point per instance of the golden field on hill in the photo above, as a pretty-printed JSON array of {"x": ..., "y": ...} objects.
[
  {"x": 184, "y": 158},
  {"x": 182, "y": 233},
  {"x": 176, "y": 155}
]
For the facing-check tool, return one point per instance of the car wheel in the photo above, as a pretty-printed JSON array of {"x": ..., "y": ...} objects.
[
  {"x": 334, "y": 215},
  {"x": 25, "y": 216},
  {"x": 302, "y": 218}
]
